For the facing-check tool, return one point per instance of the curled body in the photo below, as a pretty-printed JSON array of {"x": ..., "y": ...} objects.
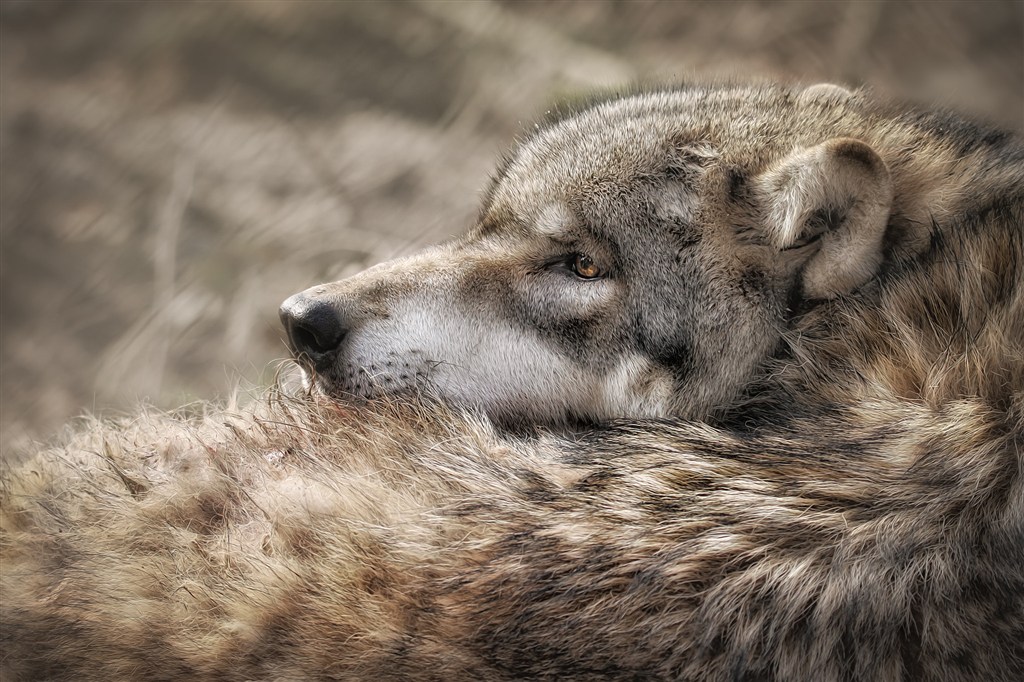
[{"x": 824, "y": 480}]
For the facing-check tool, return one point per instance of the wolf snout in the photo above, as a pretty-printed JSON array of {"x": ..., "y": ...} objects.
[{"x": 315, "y": 327}]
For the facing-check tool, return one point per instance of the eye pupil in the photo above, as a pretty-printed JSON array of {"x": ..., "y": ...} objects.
[{"x": 585, "y": 267}]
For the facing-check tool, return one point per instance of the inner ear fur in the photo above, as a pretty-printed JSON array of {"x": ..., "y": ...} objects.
[{"x": 842, "y": 179}]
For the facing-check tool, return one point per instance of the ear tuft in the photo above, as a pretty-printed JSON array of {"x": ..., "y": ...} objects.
[
  {"x": 825, "y": 93},
  {"x": 844, "y": 178}
]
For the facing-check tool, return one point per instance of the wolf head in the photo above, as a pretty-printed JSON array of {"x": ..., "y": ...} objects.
[{"x": 638, "y": 258}]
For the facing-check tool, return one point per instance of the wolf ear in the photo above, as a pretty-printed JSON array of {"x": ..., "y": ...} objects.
[{"x": 831, "y": 201}]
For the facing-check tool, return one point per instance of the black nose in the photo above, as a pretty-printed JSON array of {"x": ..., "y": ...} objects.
[{"x": 314, "y": 326}]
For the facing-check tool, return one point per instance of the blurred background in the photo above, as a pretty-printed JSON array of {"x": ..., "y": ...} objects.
[{"x": 171, "y": 171}]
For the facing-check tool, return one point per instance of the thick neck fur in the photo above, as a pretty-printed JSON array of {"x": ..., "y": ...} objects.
[{"x": 953, "y": 314}]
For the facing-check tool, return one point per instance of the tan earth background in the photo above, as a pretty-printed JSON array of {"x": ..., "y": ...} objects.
[{"x": 171, "y": 171}]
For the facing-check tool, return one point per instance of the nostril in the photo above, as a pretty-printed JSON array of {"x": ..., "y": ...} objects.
[
  {"x": 313, "y": 326},
  {"x": 310, "y": 340}
]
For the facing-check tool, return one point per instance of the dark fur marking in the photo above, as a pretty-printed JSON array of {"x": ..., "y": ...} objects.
[
  {"x": 675, "y": 354},
  {"x": 969, "y": 136},
  {"x": 736, "y": 179}
]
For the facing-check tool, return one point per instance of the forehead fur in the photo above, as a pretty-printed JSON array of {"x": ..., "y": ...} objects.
[{"x": 614, "y": 141}]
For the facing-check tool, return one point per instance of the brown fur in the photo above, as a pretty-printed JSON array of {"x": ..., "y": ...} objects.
[{"x": 858, "y": 513}]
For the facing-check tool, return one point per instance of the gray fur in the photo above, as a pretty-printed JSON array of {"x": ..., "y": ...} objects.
[{"x": 854, "y": 511}]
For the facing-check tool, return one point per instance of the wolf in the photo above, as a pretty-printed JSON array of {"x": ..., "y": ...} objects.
[
  {"x": 651, "y": 256},
  {"x": 791, "y": 348}
]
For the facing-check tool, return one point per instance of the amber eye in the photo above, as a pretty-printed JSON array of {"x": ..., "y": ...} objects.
[{"x": 585, "y": 267}]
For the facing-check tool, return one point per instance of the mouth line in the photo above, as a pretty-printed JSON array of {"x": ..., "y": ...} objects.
[{"x": 363, "y": 383}]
